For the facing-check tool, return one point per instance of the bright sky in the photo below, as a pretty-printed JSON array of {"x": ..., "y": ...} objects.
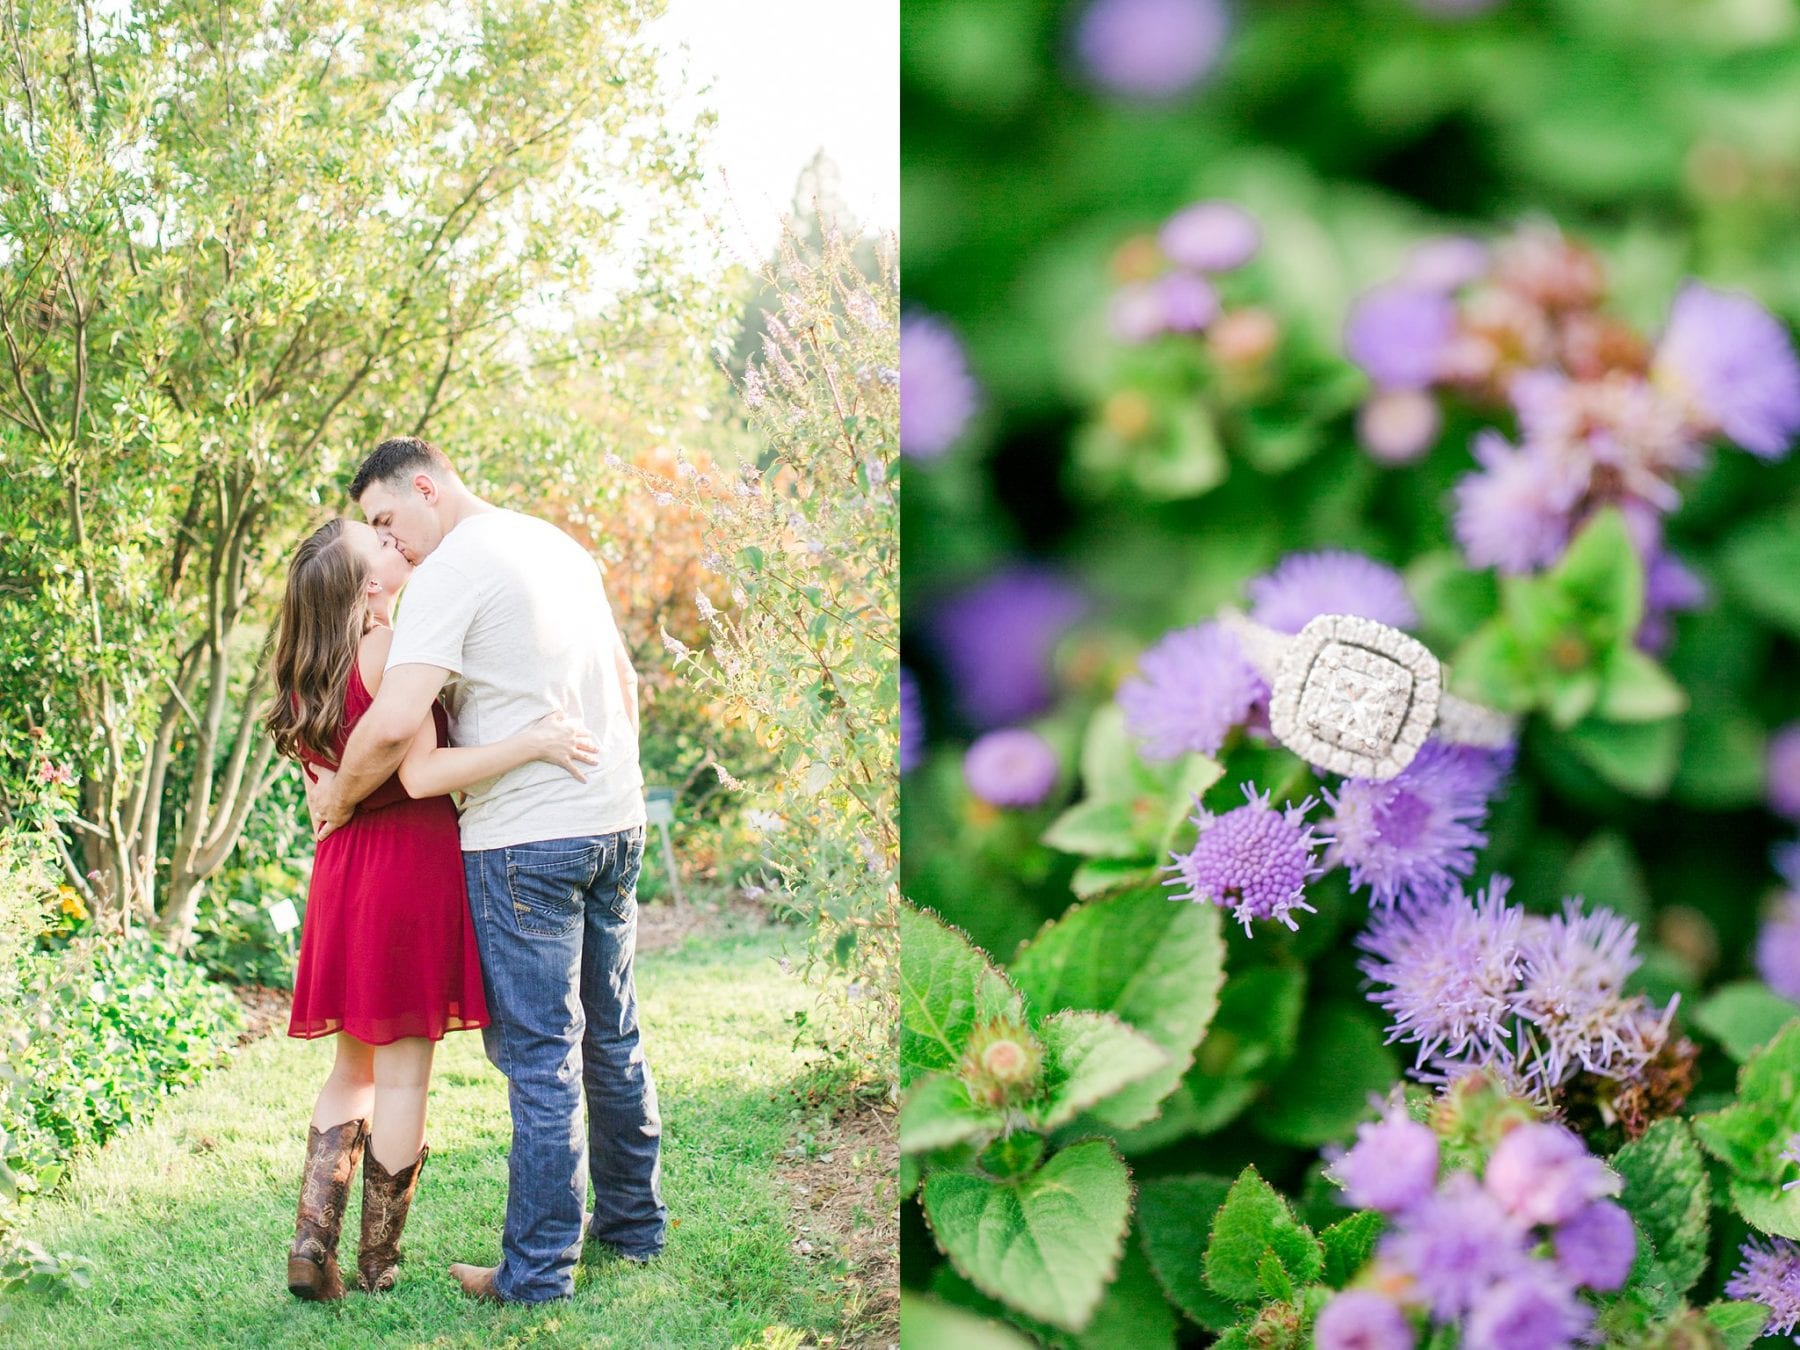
[{"x": 788, "y": 78}]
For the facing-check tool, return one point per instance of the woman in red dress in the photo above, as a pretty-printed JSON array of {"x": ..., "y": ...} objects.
[{"x": 388, "y": 961}]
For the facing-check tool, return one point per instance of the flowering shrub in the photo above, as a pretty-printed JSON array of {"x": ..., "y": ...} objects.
[{"x": 1278, "y": 313}]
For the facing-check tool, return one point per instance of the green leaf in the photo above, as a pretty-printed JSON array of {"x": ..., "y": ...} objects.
[
  {"x": 1097, "y": 876},
  {"x": 1749, "y": 1135},
  {"x": 1453, "y": 601},
  {"x": 1272, "y": 1278},
  {"x": 1667, "y": 1193},
  {"x": 1091, "y": 1056},
  {"x": 1047, "y": 1245},
  {"x": 938, "y": 1113},
  {"x": 926, "y": 1322},
  {"x": 1493, "y": 668},
  {"x": 1571, "y": 697},
  {"x": 1762, "y": 568},
  {"x": 1606, "y": 873},
  {"x": 1635, "y": 689},
  {"x": 1348, "y": 1245},
  {"x": 1325, "y": 1091},
  {"x": 1154, "y": 962},
  {"x": 1174, "y": 1216},
  {"x": 1767, "y": 1207},
  {"x": 1738, "y": 1323},
  {"x": 1721, "y": 758},
  {"x": 1601, "y": 577},
  {"x": 1108, "y": 758},
  {"x": 1099, "y": 829},
  {"x": 1637, "y": 757},
  {"x": 1133, "y": 1315},
  {"x": 1253, "y": 1220},
  {"x": 946, "y": 988},
  {"x": 1744, "y": 1017}
]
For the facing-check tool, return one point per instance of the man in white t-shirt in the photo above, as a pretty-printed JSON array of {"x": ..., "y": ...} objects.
[{"x": 507, "y": 618}]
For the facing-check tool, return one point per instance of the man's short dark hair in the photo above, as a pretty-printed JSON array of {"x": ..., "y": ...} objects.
[{"x": 397, "y": 459}]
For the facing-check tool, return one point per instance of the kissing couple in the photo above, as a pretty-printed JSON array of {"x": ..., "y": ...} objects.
[{"x": 499, "y": 676}]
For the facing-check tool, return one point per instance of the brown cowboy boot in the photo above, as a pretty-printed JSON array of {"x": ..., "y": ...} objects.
[
  {"x": 331, "y": 1158},
  {"x": 386, "y": 1198}
]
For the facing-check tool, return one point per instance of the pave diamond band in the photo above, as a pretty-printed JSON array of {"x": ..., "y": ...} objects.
[{"x": 1358, "y": 697}]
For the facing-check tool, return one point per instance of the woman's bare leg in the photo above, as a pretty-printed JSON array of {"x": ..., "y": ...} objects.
[
  {"x": 349, "y": 1091},
  {"x": 402, "y": 1075}
]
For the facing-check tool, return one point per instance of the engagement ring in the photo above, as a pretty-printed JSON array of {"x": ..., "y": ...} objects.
[{"x": 1358, "y": 697}]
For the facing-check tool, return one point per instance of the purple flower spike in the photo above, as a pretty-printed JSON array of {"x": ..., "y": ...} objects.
[
  {"x": 938, "y": 396},
  {"x": 1151, "y": 49},
  {"x": 1399, "y": 426},
  {"x": 995, "y": 640},
  {"x": 1531, "y": 1311},
  {"x": 1596, "y": 1247},
  {"x": 1414, "y": 836},
  {"x": 1191, "y": 689},
  {"x": 1515, "y": 513},
  {"x": 1543, "y": 1173},
  {"x": 1305, "y": 585},
  {"x": 1782, "y": 772},
  {"x": 1733, "y": 361},
  {"x": 1778, "y": 948},
  {"x": 912, "y": 722},
  {"x": 1456, "y": 1245},
  {"x": 1015, "y": 768},
  {"x": 1210, "y": 237},
  {"x": 1391, "y": 1167},
  {"x": 1398, "y": 334},
  {"x": 1362, "y": 1319},
  {"x": 1445, "y": 972},
  {"x": 1770, "y": 1275},
  {"x": 1254, "y": 861}
]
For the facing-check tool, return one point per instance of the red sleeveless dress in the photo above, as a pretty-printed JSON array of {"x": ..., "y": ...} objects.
[{"x": 388, "y": 949}]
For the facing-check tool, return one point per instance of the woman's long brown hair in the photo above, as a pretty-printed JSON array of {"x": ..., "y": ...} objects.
[{"x": 322, "y": 619}]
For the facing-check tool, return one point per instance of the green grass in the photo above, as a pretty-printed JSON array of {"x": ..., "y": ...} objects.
[{"x": 187, "y": 1218}]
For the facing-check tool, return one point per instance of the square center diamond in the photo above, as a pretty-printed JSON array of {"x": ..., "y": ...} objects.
[{"x": 1355, "y": 699}]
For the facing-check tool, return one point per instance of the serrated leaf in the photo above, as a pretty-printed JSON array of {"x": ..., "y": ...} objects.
[
  {"x": 1667, "y": 1192},
  {"x": 1175, "y": 1214},
  {"x": 1738, "y": 1323},
  {"x": 1750, "y": 1135},
  {"x": 937, "y": 1112},
  {"x": 1253, "y": 1220},
  {"x": 1047, "y": 1245},
  {"x": 1154, "y": 962},
  {"x": 1765, "y": 1206},
  {"x": 1133, "y": 1315},
  {"x": 1097, "y": 876},
  {"x": 1744, "y": 1017},
  {"x": 1348, "y": 1245},
  {"x": 925, "y": 1322},
  {"x": 946, "y": 987},
  {"x": 1097, "y": 829},
  {"x": 1273, "y": 1279},
  {"x": 1090, "y": 1057}
]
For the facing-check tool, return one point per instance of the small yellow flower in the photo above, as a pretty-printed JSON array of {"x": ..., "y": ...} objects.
[{"x": 71, "y": 902}]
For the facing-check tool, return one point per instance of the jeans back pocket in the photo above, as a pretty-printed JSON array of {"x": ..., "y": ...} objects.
[{"x": 547, "y": 882}]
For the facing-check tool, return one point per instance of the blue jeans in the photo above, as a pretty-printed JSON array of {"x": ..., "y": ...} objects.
[{"x": 556, "y": 923}]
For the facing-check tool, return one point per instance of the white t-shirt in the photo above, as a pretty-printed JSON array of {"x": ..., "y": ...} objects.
[{"x": 517, "y": 612}]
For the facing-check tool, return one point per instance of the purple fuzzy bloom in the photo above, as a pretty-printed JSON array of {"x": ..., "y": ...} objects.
[
  {"x": 1734, "y": 362},
  {"x": 1447, "y": 263},
  {"x": 1391, "y": 1167},
  {"x": 1210, "y": 237},
  {"x": 1151, "y": 49},
  {"x": 1543, "y": 1173},
  {"x": 995, "y": 640},
  {"x": 1254, "y": 861},
  {"x": 1015, "y": 767},
  {"x": 1782, "y": 771},
  {"x": 1305, "y": 585},
  {"x": 938, "y": 396},
  {"x": 1398, "y": 334},
  {"x": 1571, "y": 995},
  {"x": 1191, "y": 689},
  {"x": 1596, "y": 1247},
  {"x": 1515, "y": 513},
  {"x": 1398, "y": 426},
  {"x": 1770, "y": 1275},
  {"x": 1413, "y": 836},
  {"x": 1189, "y": 303},
  {"x": 1361, "y": 1319},
  {"x": 1445, "y": 974},
  {"x": 912, "y": 722},
  {"x": 1532, "y": 1311},
  {"x": 1456, "y": 1245},
  {"x": 1778, "y": 948}
]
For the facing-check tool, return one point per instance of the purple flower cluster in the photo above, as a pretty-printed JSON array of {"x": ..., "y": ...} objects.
[
  {"x": 1305, "y": 585},
  {"x": 1500, "y": 1257},
  {"x": 1604, "y": 416},
  {"x": 995, "y": 639},
  {"x": 1192, "y": 687},
  {"x": 1782, "y": 772},
  {"x": 1254, "y": 861},
  {"x": 1778, "y": 947},
  {"x": 1479, "y": 984},
  {"x": 1012, "y": 768},
  {"x": 938, "y": 396},
  {"x": 1770, "y": 1275},
  {"x": 912, "y": 722},
  {"x": 1168, "y": 285},
  {"x": 1151, "y": 49}
]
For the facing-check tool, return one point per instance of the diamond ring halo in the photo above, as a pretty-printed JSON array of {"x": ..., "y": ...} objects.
[{"x": 1358, "y": 697}]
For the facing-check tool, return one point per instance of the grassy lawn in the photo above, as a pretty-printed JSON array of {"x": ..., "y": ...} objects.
[{"x": 188, "y": 1218}]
